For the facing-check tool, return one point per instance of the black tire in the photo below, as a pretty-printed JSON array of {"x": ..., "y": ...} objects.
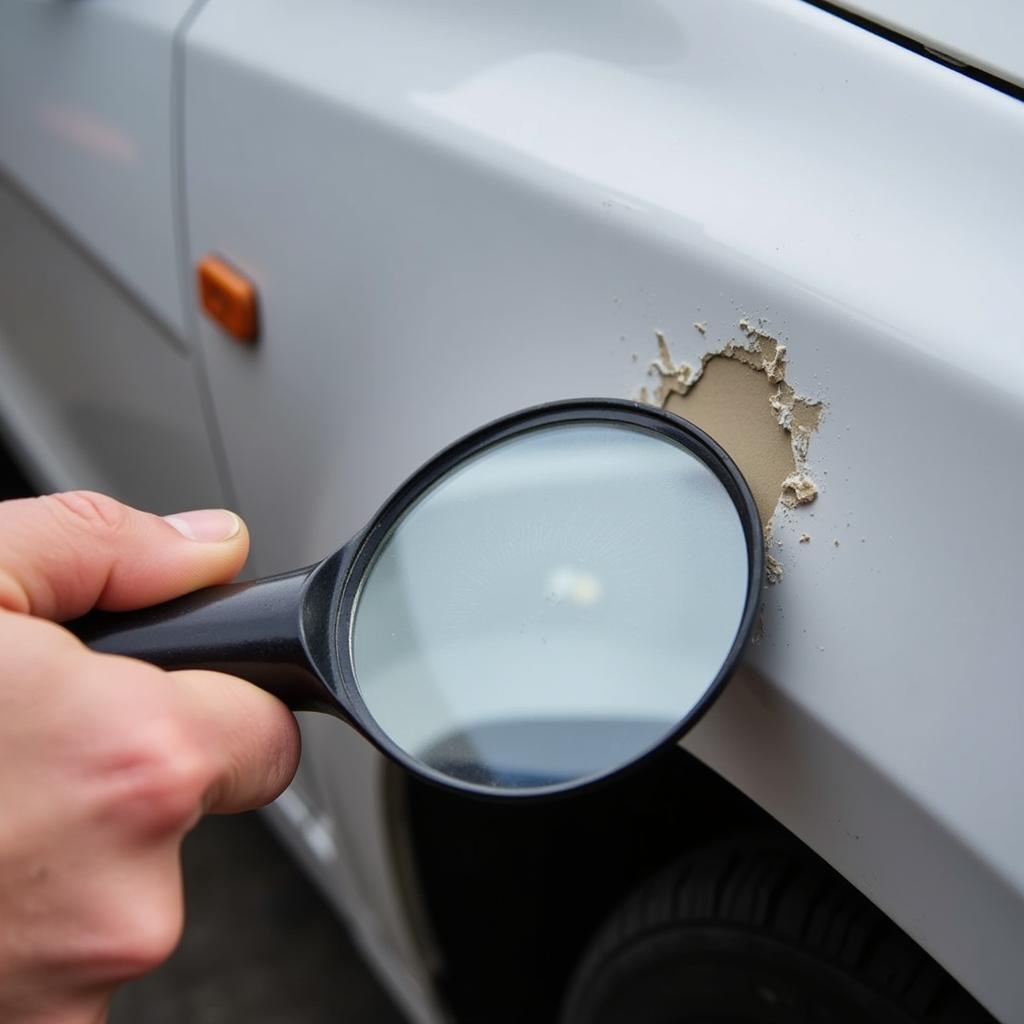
[{"x": 758, "y": 931}]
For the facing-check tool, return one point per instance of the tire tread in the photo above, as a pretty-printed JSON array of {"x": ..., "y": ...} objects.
[{"x": 771, "y": 887}]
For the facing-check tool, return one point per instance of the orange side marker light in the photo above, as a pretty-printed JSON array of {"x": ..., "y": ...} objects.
[{"x": 228, "y": 297}]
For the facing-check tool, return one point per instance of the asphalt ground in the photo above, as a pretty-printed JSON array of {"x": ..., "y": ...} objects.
[{"x": 261, "y": 945}]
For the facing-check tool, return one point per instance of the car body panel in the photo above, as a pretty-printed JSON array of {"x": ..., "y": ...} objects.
[
  {"x": 86, "y": 114},
  {"x": 495, "y": 207},
  {"x": 92, "y": 389}
]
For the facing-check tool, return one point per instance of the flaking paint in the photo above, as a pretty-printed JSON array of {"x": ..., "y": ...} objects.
[{"x": 740, "y": 396}]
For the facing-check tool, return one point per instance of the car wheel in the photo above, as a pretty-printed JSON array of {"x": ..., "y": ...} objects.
[{"x": 758, "y": 931}]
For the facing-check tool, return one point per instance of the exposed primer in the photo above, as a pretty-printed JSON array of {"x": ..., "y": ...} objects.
[{"x": 745, "y": 402}]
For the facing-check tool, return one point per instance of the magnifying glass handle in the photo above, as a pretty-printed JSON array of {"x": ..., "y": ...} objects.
[{"x": 251, "y": 629}]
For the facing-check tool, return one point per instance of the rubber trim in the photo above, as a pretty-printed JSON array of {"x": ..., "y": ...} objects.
[{"x": 921, "y": 49}]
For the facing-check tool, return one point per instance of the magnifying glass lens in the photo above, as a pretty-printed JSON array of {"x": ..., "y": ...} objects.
[{"x": 551, "y": 608}]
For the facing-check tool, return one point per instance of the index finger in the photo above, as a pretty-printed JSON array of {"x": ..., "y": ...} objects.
[{"x": 251, "y": 736}]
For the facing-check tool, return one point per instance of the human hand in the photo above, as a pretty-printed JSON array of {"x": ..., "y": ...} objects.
[{"x": 105, "y": 762}]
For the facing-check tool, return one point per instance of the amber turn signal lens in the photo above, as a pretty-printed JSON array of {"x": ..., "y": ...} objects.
[{"x": 228, "y": 297}]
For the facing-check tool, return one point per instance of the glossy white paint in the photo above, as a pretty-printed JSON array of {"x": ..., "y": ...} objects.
[
  {"x": 455, "y": 209},
  {"x": 85, "y": 126},
  {"x": 986, "y": 34},
  {"x": 91, "y": 391}
]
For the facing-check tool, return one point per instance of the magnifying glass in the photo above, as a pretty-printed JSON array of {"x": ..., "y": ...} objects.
[{"x": 552, "y": 598}]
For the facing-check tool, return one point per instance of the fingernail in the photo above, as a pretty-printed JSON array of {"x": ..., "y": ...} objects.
[{"x": 207, "y": 524}]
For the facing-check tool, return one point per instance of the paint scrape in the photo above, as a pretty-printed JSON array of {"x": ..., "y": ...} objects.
[
  {"x": 739, "y": 395},
  {"x": 798, "y": 489}
]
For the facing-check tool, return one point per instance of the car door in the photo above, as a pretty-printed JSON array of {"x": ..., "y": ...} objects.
[{"x": 97, "y": 380}]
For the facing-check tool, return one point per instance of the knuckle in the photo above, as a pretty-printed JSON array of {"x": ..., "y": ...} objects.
[
  {"x": 96, "y": 512},
  {"x": 137, "y": 937},
  {"x": 150, "y": 939},
  {"x": 162, "y": 779}
]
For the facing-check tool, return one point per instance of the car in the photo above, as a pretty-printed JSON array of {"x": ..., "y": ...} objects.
[{"x": 274, "y": 256}]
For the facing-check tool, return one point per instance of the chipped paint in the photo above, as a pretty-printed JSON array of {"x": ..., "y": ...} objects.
[
  {"x": 798, "y": 489},
  {"x": 740, "y": 395}
]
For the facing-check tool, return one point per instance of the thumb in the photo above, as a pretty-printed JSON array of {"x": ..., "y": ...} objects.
[{"x": 63, "y": 554}]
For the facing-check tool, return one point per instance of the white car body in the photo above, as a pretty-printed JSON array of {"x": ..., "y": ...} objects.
[{"x": 452, "y": 210}]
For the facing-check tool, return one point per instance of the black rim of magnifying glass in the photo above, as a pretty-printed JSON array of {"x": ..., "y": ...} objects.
[{"x": 365, "y": 548}]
